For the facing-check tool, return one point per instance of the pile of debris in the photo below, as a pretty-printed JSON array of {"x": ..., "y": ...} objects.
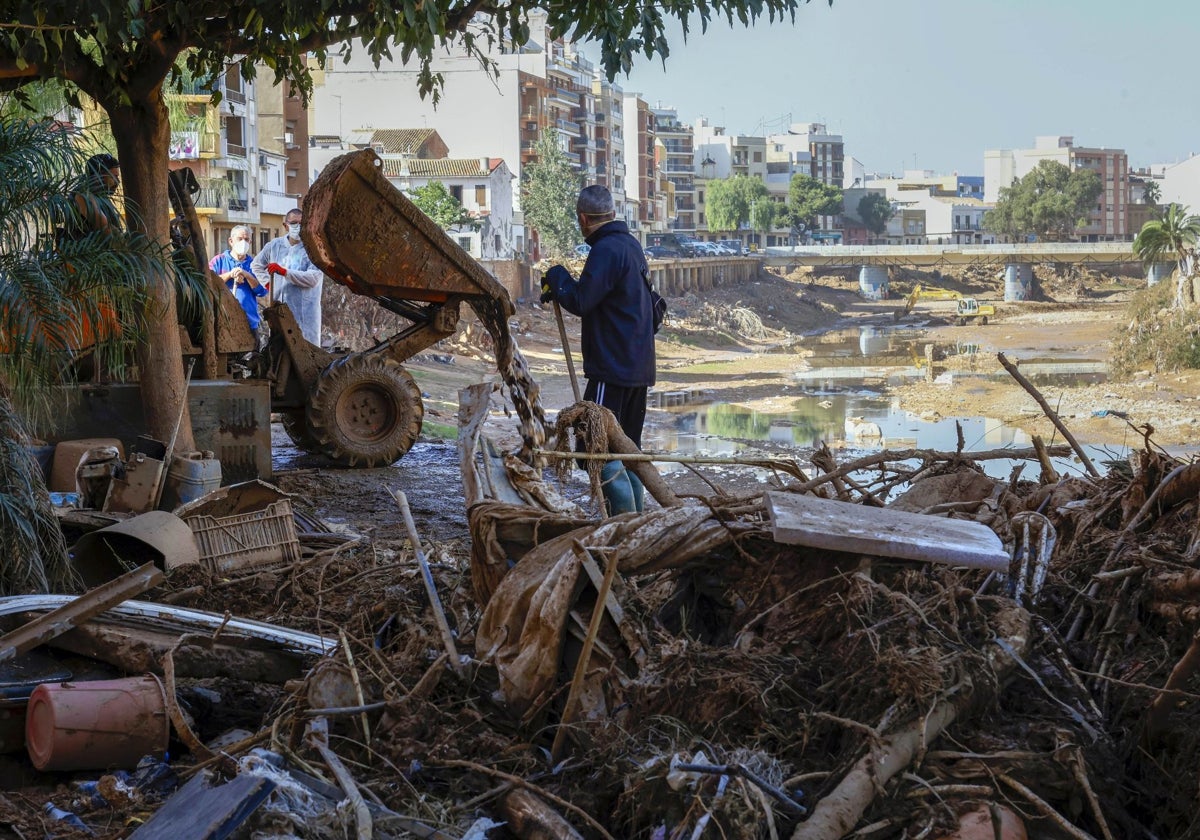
[{"x": 819, "y": 660}]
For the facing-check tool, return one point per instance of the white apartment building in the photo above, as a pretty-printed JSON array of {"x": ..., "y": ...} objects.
[
  {"x": 1179, "y": 183},
  {"x": 1109, "y": 220}
]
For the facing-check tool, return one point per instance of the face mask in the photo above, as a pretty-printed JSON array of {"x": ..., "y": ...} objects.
[
  {"x": 240, "y": 248},
  {"x": 294, "y": 230}
]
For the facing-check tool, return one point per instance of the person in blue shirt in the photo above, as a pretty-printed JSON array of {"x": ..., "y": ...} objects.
[
  {"x": 612, "y": 298},
  {"x": 294, "y": 278},
  {"x": 233, "y": 266}
]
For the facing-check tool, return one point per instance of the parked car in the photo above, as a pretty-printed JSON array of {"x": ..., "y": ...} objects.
[{"x": 662, "y": 252}]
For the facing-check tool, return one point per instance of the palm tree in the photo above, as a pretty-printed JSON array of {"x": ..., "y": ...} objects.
[
  {"x": 58, "y": 300},
  {"x": 1173, "y": 237}
]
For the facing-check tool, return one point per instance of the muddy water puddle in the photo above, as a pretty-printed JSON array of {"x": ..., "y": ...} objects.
[{"x": 843, "y": 403}]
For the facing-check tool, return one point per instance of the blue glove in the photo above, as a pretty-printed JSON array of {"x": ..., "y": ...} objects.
[{"x": 552, "y": 282}]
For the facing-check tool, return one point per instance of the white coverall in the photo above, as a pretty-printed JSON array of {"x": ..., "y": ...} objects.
[{"x": 300, "y": 289}]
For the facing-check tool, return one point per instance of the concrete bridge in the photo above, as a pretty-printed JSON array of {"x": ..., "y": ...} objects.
[
  {"x": 855, "y": 256},
  {"x": 874, "y": 261}
]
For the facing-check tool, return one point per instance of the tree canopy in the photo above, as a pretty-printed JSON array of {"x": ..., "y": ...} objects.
[
  {"x": 436, "y": 202},
  {"x": 809, "y": 199},
  {"x": 875, "y": 211},
  {"x": 122, "y": 54},
  {"x": 1051, "y": 202},
  {"x": 729, "y": 202},
  {"x": 549, "y": 189}
]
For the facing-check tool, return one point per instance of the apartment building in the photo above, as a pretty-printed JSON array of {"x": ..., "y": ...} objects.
[
  {"x": 675, "y": 154},
  {"x": 242, "y": 155},
  {"x": 646, "y": 205},
  {"x": 611, "y": 170},
  {"x": 825, "y": 151},
  {"x": 1179, "y": 183},
  {"x": 545, "y": 84},
  {"x": 1109, "y": 219}
]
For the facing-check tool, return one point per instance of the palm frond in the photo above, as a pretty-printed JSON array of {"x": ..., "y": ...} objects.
[
  {"x": 61, "y": 294},
  {"x": 35, "y": 553}
]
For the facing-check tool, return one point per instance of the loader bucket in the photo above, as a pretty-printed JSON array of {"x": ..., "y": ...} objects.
[{"x": 365, "y": 234}]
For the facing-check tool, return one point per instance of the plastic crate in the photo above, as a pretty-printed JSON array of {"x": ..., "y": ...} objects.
[{"x": 259, "y": 538}]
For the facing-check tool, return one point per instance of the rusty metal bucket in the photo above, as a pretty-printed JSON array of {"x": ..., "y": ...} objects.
[
  {"x": 366, "y": 235},
  {"x": 156, "y": 537}
]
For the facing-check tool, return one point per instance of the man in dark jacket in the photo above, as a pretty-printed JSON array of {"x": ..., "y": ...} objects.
[{"x": 612, "y": 297}]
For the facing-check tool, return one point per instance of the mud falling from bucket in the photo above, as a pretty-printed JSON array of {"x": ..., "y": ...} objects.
[{"x": 514, "y": 370}]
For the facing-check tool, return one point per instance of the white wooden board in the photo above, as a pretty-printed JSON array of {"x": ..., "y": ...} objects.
[{"x": 841, "y": 526}]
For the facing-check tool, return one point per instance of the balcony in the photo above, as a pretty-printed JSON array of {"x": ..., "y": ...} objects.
[
  {"x": 277, "y": 203},
  {"x": 193, "y": 89}
]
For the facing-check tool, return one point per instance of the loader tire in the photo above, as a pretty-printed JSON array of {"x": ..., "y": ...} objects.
[
  {"x": 296, "y": 425},
  {"x": 365, "y": 411}
]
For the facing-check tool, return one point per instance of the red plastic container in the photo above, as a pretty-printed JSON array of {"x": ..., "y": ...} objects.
[{"x": 99, "y": 725}]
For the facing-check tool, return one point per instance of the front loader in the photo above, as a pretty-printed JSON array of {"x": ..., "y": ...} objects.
[{"x": 364, "y": 409}]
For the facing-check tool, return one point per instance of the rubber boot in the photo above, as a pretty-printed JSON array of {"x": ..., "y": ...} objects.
[
  {"x": 617, "y": 489},
  {"x": 639, "y": 491}
]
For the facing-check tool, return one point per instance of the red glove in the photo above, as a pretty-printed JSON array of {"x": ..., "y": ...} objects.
[{"x": 276, "y": 268}]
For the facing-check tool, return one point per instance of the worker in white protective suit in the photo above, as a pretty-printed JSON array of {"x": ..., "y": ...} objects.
[{"x": 293, "y": 279}]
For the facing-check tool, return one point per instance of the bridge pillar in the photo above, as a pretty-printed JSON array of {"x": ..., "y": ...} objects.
[
  {"x": 1018, "y": 281},
  {"x": 873, "y": 282},
  {"x": 1157, "y": 272}
]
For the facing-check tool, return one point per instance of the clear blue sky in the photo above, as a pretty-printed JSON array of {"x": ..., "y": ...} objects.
[{"x": 943, "y": 80}]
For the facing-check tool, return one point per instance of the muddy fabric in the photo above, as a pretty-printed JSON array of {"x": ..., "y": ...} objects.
[{"x": 525, "y": 621}]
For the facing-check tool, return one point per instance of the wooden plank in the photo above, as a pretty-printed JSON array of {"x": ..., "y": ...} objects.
[
  {"x": 205, "y": 810},
  {"x": 841, "y": 526},
  {"x": 71, "y": 615}
]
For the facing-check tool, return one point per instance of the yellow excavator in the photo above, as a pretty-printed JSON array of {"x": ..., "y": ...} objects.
[{"x": 968, "y": 308}]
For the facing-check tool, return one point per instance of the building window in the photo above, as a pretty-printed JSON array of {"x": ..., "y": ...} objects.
[
  {"x": 464, "y": 242},
  {"x": 481, "y": 195},
  {"x": 456, "y": 190}
]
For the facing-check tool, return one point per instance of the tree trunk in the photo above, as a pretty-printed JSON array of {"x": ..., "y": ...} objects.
[{"x": 142, "y": 130}]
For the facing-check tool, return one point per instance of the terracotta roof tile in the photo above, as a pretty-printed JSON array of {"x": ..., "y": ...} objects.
[
  {"x": 440, "y": 168},
  {"x": 398, "y": 141}
]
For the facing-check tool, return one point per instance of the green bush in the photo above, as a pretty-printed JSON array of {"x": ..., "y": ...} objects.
[{"x": 1157, "y": 336}]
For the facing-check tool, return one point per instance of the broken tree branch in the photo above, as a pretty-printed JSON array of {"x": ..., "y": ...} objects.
[
  {"x": 786, "y": 465},
  {"x": 1050, "y": 413},
  {"x": 926, "y": 455},
  {"x": 1160, "y": 708}
]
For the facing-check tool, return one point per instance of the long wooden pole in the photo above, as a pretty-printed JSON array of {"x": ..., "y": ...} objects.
[
  {"x": 435, "y": 601},
  {"x": 585, "y": 655},
  {"x": 566, "y": 345}
]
